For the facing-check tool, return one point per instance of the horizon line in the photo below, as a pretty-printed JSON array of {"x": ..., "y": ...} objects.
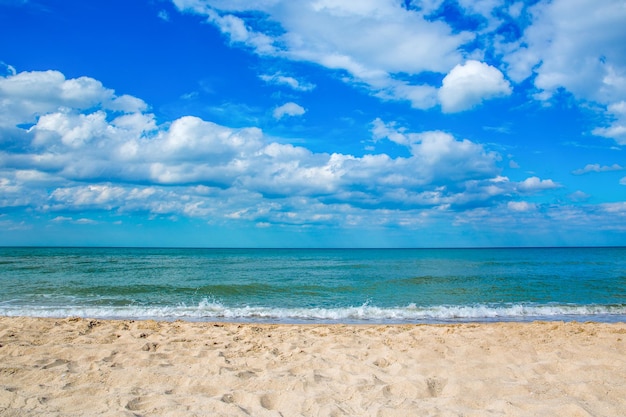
[{"x": 308, "y": 247}]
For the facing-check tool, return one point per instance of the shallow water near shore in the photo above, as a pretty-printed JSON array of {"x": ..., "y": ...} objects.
[{"x": 316, "y": 285}]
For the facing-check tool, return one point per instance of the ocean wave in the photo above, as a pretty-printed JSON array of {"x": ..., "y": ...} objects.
[{"x": 214, "y": 311}]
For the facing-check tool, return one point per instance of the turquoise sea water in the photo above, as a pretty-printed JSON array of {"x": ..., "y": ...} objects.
[{"x": 316, "y": 285}]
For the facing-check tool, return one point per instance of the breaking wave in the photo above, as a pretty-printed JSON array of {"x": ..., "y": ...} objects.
[{"x": 208, "y": 310}]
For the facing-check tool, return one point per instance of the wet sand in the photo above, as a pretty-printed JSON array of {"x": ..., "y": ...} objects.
[{"x": 76, "y": 367}]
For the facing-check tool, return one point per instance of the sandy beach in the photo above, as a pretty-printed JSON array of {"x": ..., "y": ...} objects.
[{"x": 72, "y": 367}]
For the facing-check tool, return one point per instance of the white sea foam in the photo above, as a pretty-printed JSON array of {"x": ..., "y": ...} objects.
[{"x": 209, "y": 311}]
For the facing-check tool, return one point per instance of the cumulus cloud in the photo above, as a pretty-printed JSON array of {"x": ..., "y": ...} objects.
[
  {"x": 288, "y": 109},
  {"x": 617, "y": 128},
  {"x": 548, "y": 43},
  {"x": 579, "y": 196},
  {"x": 535, "y": 184},
  {"x": 557, "y": 40},
  {"x": 73, "y": 130},
  {"x": 439, "y": 153},
  {"x": 99, "y": 195},
  {"x": 26, "y": 95},
  {"x": 392, "y": 39},
  {"x": 98, "y": 158},
  {"x": 579, "y": 46},
  {"x": 521, "y": 206},
  {"x": 597, "y": 168},
  {"x": 382, "y": 130},
  {"x": 470, "y": 84}
]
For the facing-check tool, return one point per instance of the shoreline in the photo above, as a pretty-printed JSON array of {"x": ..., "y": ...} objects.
[
  {"x": 78, "y": 366},
  {"x": 364, "y": 314}
]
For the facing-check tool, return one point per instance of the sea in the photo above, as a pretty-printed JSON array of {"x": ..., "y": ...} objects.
[{"x": 351, "y": 286}]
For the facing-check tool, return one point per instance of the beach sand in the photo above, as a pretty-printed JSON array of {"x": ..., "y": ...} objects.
[{"x": 76, "y": 367}]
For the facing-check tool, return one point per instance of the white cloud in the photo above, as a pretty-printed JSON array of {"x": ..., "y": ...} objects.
[
  {"x": 535, "y": 184},
  {"x": 99, "y": 159},
  {"x": 521, "y": 206},
  {"x": 86, "y": 221},
  {"x": 558, "y": 47},
  {"x": 560, "y": 224},
  {"x": 126, "y": 104},
  {"x": 279, "y": 79},
  {"x": 515, "y": 9},
  {"x": 617, "y": 128},
  {"x": 578, "y": 45},
  {"x": 450, "y": 158},
  {"x": 382, "y": 130},
  {"x": 7, "y": 69},
  {"x": 437, "y": 155},
  {"x": 61, "y": 219},
  {"x": 598, "y": 168},
  {"x": 163, "y": 15},
  {"x": 73, "y": 130},
  {"x": 288, "y": 109},
  {"x": 483, "y": 7},
  {"x": 618, "y": 209},
  {"x": 491, "y": 11},
  {"x": 238, "y": 32},
  {"x": 623, "y": 181},
  {"x": 616, "y": 131},
  {"x": 391, "y": 39},
  {"x": 470, "y": 84},
  {"x": 579, "y": 196},
  {"x": 26, "y": 95},
  {"x": 91, "y": 195}
]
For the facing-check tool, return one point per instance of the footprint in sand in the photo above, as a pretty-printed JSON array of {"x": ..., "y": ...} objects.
[
  {"x": 57, "y": 362},
  {"x": 228, "y": 398},
  {"x": 381, "y": 362},
  {"x": 268, "y": 401},
  {"x": 435, "y": 386},
  {"x": 150, "y": 347},
  {"x": 134, "y": 404},
  {"x": 246, "y": 375}
]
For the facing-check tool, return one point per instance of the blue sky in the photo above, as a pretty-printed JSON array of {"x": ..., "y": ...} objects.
[{"x": 317, "y": 123}]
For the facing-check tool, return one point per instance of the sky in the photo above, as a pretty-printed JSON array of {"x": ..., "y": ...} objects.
[{"x": 313, "y": 123}]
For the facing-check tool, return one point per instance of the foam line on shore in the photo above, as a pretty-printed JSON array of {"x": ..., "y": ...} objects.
[{"x": 209, "y": 310}]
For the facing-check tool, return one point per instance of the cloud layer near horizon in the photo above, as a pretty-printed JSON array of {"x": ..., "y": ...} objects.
[{"x": 77, "y": 145}]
